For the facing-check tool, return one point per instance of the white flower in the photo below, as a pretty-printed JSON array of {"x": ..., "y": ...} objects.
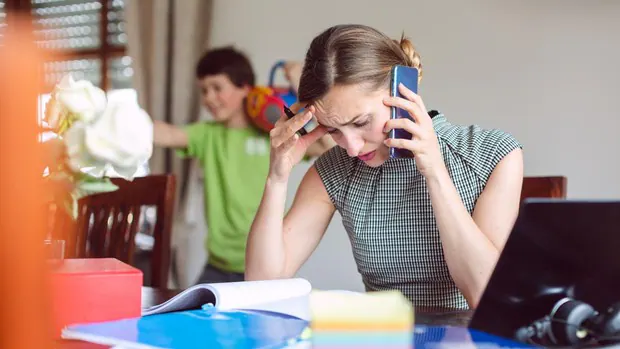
[
  {"x": 119, "y": 141},
  {"x": 81, "y": 98},
  {"x": 122, "y": 136},
  {"x": 79, "y": 160}
]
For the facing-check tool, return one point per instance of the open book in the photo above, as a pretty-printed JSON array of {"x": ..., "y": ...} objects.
[{"x": 285, "y": 296}]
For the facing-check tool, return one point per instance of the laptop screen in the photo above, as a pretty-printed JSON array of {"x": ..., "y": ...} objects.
[{"x": 557, "y": 249}]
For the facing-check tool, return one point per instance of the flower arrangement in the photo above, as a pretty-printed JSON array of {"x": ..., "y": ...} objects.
[{"x": 92, "y": 140}]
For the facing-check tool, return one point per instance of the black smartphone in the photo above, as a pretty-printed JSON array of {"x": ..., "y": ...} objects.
[{"x": 408, "y": 76}]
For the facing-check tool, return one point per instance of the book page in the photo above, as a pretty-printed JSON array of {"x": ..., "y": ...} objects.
[
  {"x": 298, "y": 307},
  {"x": 252, "y": 294}
]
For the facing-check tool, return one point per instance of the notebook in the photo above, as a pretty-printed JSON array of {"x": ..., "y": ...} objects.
[{"x": 248, "y": 314}]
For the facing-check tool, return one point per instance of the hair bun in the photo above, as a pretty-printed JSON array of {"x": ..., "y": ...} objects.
[{"x": 411, "y": 55}]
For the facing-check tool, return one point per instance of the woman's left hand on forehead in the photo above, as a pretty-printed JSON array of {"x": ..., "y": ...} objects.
[{"x": 424, "y": 143}]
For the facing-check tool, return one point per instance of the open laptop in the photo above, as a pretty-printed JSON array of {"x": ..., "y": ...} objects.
[{"x": 557, "y": 249}]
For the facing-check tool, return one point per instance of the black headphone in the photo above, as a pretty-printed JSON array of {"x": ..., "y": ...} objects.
[{"x": 572, "y": 322}]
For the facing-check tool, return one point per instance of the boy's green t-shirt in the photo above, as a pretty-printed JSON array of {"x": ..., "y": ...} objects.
[{"x": 235, "y": 163}]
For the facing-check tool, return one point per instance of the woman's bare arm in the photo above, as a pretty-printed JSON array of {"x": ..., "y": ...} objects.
[
  {"x": 278, "y": 246},
  {"x": 472, "y": 244}
]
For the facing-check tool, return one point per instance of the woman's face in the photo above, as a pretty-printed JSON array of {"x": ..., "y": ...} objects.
[{"x": 355, "y": 118}]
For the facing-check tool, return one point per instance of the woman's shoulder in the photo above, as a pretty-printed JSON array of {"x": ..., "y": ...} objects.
[
  {"x": 459, "y": 133},
  {"x": 481, "y": 147},
  {"x": 472, "y": 137}
]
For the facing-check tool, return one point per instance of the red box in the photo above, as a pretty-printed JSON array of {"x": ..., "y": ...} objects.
[{"x": 94, "y": 290}]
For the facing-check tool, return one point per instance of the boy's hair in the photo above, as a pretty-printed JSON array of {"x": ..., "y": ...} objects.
[{"x": 226, "y": 60}]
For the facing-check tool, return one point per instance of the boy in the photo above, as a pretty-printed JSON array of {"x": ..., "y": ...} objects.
[{"x": 233, "y": 154}]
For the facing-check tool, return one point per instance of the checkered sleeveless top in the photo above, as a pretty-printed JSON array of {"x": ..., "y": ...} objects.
[{"x": 387, "y": 212}]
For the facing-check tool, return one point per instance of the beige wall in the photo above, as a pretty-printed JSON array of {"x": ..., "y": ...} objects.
[{"x": 546, "y": 71}]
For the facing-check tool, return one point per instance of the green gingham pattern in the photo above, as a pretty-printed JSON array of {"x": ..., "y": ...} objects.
[{"x": 388, "y": 216}]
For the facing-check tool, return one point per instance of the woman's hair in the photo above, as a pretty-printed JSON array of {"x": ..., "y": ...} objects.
[{"x": 353, "y": 54}]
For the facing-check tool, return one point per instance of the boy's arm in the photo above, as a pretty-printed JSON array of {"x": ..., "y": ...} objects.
[{"x": 168, "y": 136}]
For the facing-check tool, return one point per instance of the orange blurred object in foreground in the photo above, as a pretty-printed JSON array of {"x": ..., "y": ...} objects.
[{"x": 24, "y": 295}]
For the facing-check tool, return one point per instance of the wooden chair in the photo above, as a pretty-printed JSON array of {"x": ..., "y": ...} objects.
[
  {"x": 544, "y": 187},
  {"x": 108, "y": 222}
]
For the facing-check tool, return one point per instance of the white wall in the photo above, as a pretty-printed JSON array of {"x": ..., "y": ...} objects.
[{"x": 544, "y": 70}]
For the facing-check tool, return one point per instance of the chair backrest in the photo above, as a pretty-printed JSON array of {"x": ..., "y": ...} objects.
[
  {"x": 107, "y": 223},
  {"x": 544, "y": 187}
]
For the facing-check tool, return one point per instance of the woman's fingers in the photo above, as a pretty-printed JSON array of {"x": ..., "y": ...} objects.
[
  {"x": 315, "y": 134},
  {"x": 287, "y": 129},
  {"x": 405, "y": 124},
  {"x": 295, "y": 108},
  {"x": 288, "y": 143},
  {"x": 416, "y": 110},
  {"x": 410, "y": 144},
  {"x": 412, "y": 96}
]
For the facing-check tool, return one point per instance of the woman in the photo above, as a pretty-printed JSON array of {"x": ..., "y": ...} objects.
[{"x": 431, "y": 226}]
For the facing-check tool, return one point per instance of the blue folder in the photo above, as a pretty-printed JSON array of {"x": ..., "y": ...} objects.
[
  {"x": 195, "y": 329},
  {"x": 462, "y": 337}
]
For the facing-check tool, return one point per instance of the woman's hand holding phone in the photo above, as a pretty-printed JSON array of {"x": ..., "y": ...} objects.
[
  {"x": 287, "y": 146},
  {"x": 423, "y": 143}
]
